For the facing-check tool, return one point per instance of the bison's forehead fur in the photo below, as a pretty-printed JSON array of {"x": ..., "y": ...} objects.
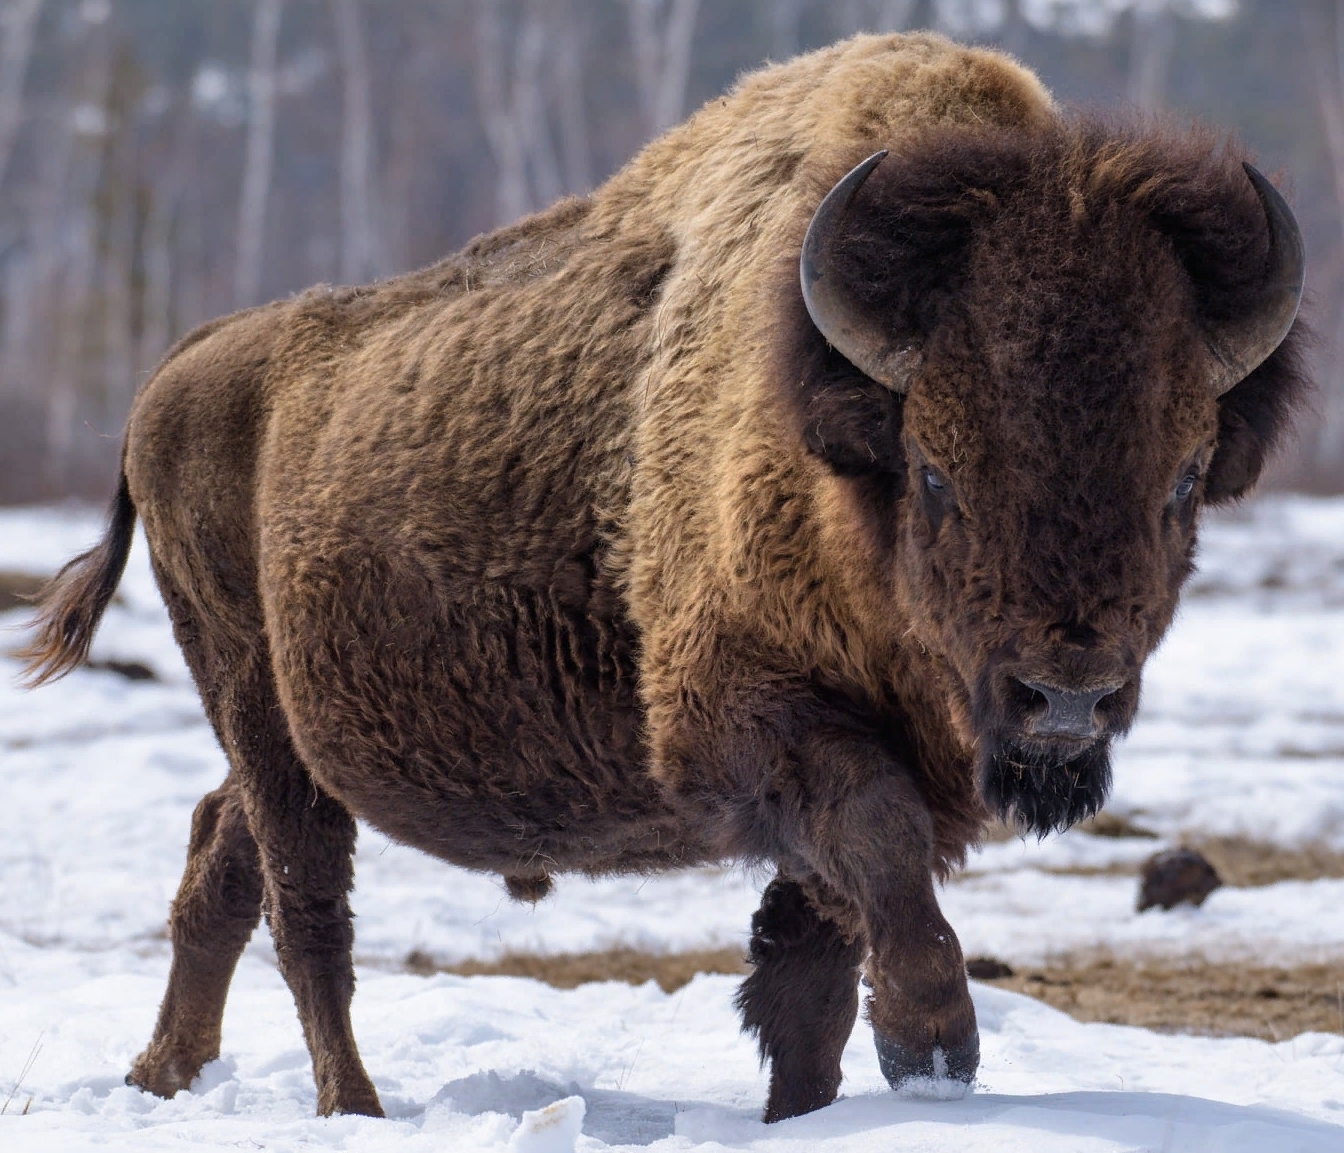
[{"x": 1057, "y": 282}]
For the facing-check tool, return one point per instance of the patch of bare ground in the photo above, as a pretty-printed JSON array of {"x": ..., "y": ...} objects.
[
  {"x": 1217, "y": 1000},
  {"x": 1246, "y": 863},
  {"x": 1239, "y": 861},
  {"x": 1171, "y": 996},
  {"x": 18, "y": 588},
  {"x": 568, "y": 970},
  {"x": 1114, "y": 826},
  {"x": 1102, "y": 825}
]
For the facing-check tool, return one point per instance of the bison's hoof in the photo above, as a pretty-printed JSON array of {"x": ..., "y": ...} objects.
[
  {"x": 163, "y": 1072},
  {"x": 901, "y": 1065}
]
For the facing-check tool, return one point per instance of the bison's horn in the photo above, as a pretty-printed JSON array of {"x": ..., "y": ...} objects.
[
  {"x": 831, "y": 308},
  {"x": 1240, "y": 351}
]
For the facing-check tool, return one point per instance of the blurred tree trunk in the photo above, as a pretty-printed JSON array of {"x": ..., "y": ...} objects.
[
  {"x": 1013, "y": 38},
  {"x": 260, "y": 154},
  {"x": 661, "y": 32},
  {"x": 86, "y": 121},
  {"x": 1153, "y": 35},
  {"x": 116, "y": 311},
  {"x": 513, "y": 113},
  {"x": 157, "y": 328},
  {"x": 16, "y": 298},
  {"x": 20, "y": 21},
  {"x": 360, "y": 252},
  {"x": 876, "y": 15},
  {"x": 1323, "y": 28},
  {"x": 785, "y": 17},
  {"x": 570, "y": 49},
  {"x": 1324, "y": 32}
]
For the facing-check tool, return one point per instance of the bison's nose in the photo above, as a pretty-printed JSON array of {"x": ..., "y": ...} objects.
[{"x": 1069, "y": 713}]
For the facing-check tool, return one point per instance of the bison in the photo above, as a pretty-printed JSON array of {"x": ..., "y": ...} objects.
[{"x": 613, "y": 543}]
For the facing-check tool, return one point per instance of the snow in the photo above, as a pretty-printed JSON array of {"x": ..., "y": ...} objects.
[{"x": 1241, "y": 732}]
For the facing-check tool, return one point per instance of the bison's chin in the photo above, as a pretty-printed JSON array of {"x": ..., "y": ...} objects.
[{"x": 1041, "y": 790}]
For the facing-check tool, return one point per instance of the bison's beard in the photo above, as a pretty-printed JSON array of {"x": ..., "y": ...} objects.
[{"x": 1040, "y": 791}]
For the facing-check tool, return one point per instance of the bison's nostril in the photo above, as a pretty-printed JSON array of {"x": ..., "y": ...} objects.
[
  {"x": 1025, "y": 699},
  {"x": 1067, "y": 712}
]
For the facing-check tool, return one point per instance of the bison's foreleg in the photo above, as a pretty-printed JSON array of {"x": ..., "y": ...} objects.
[
  {"x": 787, "y": 776},
  {"x": 862, "y": 825},
  {"x": 801, "y": 998},
  {"x": 218, "y": 906}
]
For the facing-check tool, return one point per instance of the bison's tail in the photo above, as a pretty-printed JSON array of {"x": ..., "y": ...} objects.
[{"x": 74, "y": 600}]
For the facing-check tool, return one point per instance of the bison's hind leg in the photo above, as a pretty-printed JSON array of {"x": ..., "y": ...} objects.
[
  {"x": 305, "y": 841},
  {"x": 217, "y": 907},
  {"x": 269, "y": 835},
  {"x": 801, "y": 999}
]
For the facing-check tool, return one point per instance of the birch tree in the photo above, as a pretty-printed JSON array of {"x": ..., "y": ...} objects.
[
  {"x": 359, "y": 248},
  {"x": 569, "y": 52},
  {"x": 16, "y": 48},
  {"x": 876, "y": 15},
  {"x": 257, "y": 162},
  {"x": 513, "y": 111},
  {"x": 661, "y": 32},
  {"x": 1323, "y": 29},
  {"x": 1152, "y": 36}
]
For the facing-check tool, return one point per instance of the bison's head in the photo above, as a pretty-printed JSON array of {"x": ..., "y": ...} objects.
[{"x": 1042, "y": 357}]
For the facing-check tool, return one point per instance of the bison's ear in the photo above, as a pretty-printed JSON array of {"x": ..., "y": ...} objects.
[
  {"x": 1255, "y": 416},
  {"x": 901, "y": 247},
  {"x": 1236, "y": 239}
]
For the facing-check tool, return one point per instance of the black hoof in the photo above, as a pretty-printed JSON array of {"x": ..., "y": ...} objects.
[{"x": 900, "y": 1065}]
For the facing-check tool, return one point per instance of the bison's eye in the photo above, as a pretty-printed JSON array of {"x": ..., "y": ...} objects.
[
  {"x": 934, "y": 483},
  {"x": 1186, "y": 486}
]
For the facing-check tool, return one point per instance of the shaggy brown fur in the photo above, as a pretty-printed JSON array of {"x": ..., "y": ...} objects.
[{"x": 582, "y": 551}]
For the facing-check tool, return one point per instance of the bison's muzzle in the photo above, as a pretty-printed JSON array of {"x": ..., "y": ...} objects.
[
  {"x": 1060, "y": 714},
  {"x": 1045, "y": 750}
]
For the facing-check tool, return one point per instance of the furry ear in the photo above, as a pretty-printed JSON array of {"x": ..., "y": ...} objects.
[
  {"x": 908, "y": 233},
  {"x": 1255, "y": 416},
  {"x": 901, "y": 254},
  {"x": 1218, "y": 231}
]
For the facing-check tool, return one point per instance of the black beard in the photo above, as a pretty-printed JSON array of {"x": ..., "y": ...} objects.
[{"x": 1042, "y": 791}]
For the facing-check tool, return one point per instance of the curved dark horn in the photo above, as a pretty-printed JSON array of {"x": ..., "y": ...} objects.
[
  {"x": 1240, "y": 351},
  {"x": 832, "y": 310}
]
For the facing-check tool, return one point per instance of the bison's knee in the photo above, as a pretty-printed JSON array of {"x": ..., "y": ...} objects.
[{"x": 220, "y": 895}]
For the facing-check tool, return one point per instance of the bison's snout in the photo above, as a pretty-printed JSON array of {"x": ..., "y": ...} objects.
[
  {"x": 1044, "y": 744},
  {"x": 1054, "y": 713}
]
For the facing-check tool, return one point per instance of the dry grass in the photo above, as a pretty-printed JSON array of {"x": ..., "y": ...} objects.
[
  {"x": 1247, "y": 863},
  {"x": 18, "y": 588},
  {"x": 1192, "y": 997},
  {"x": 1178, "y": 996},
  {"x": 1113, "y": 826},
  {"x": 1172, "y": 996},
  {"x": 1238, "y": 861},
  {"x": 569, "y": 970}
]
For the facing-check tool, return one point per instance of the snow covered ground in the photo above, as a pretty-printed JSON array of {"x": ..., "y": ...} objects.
[{"x": 1241, "y": 733}]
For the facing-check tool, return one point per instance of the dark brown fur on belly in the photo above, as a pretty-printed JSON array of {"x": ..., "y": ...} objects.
[{"x": 500, "y": 732}]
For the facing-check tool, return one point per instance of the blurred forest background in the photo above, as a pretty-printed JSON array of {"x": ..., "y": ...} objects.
[{"x": 163, "y": 161}]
